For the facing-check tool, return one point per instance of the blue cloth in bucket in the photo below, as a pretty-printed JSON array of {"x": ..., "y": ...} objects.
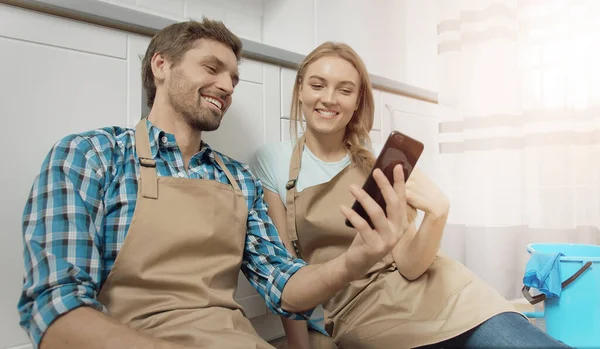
[{"x": 542, "y": 272}]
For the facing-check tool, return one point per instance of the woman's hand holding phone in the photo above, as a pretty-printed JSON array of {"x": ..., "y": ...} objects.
[
  {"x": 371, "y": 245},
  {"x": 424, "y": 195}
]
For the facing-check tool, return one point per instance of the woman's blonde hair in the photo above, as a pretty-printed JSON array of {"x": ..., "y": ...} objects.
[{"x": 356, "y": 138}]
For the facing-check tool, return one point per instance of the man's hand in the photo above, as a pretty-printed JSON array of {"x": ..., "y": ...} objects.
[{"x": 371, "y": 245}]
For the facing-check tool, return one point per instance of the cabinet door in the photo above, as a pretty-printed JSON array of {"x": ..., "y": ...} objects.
[
  {"x": 136, "y": 95},
  {"x": 58, "y": 77},
  {"x": 248, "y": 123},
  {"x": 417, "y": 119}
]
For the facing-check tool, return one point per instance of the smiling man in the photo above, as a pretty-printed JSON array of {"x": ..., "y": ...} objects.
[{"x": 134, "y": 238}]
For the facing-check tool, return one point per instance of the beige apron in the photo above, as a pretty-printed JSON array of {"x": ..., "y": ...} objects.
[
  {"x": 176, "y": 274},
  {"x": 382, "y": 310}
]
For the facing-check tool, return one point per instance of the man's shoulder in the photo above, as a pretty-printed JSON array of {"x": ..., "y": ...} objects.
[
  {"x": 99, "y": 136},
  {"x": 93, "y": 143}
]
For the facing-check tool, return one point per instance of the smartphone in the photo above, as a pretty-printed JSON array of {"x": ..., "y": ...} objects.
[{"x": 398, "y": 149}]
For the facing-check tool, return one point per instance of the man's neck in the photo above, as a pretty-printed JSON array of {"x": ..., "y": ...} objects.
[{"x": 188, "y": 139}]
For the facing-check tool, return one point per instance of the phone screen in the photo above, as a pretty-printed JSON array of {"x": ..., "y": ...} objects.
[{"x": 399, "y": 149}]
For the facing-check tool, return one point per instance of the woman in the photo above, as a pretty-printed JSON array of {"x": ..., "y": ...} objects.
[{"x": 414, "y": 297}]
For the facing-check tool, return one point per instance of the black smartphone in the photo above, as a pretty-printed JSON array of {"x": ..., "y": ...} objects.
[{"x": 398, "y": 149}]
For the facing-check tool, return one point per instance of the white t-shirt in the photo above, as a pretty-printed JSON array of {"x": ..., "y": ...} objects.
[{"x": 271, "y": 164}]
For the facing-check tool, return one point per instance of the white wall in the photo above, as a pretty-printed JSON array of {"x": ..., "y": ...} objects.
[
  {"x": 421, "y": 19},
  {"x": 290, "y": 24},
  {"x": 243, "y": 17},
  {"x": 375, "y": 29},
  {"x": 397, "y": 39}
]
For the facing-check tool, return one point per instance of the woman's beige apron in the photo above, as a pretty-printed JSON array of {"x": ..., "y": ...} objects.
[
  {"x": 382, "y": 310},
  {"x": 176, "y": 273}
]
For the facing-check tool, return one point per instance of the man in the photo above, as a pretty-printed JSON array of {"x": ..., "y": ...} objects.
[{"x": 134, "y": 238}]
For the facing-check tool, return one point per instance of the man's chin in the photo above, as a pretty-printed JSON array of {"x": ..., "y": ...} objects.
[{"x": 206, "y": 125}]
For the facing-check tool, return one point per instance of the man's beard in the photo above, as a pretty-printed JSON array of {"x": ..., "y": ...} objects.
[{"x": 199, "y": 117}]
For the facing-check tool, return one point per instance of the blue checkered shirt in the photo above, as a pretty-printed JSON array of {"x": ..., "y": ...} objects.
[{"x": 80, "y": 207}]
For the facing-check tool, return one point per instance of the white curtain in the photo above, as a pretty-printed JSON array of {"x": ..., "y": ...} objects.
[{"x": 521, "y": 161}]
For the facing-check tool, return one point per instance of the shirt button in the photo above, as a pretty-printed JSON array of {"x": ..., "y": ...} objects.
[
  {"x": 164, "y": 139},
  {"x": 181, "y": 175}
]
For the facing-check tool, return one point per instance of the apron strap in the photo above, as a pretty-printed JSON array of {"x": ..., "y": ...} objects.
[
  {"x": 290, "y": 196},
  {"x": 219, "y": 161},
  {"x": 148, "y": 177}
]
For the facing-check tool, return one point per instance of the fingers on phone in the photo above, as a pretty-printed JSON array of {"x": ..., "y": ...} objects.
[
  {"x": 372, "y": 208},
  {"x": 392, "y": 199},
  {"x": 363, "y": 228}
]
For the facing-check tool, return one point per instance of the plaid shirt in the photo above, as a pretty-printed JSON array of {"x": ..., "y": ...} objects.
[{"x": 80, "y": 207}]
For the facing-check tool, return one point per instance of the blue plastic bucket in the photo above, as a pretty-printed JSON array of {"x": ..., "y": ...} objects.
[{"x": 574, "y": 317}]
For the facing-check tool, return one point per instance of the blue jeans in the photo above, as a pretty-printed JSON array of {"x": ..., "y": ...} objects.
[{"x": 506, "y": 330}]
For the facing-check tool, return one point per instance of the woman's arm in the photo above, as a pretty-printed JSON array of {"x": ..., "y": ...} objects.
[
  {"x": 295, "y": 330},
  {"x": 416, "y": 250}
]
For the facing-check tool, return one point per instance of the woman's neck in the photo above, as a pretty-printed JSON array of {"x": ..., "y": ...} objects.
[{"x": 326, "y": 147}]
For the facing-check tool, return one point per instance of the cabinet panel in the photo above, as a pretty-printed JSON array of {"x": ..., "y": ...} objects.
[
  {"x": 272, "y": 100},
  {"x": 251, "y": 71},
  {"x": 288, "y": 76},
  {"x": 47, "y": 93},
  {"x": 417, "y": 119},
  {"x": 376, "y": 138},
  {"x": 136, "y": 97},
  {"x": 242, "y": 129},
  {"x": 377, "y": 116},
  {"x": 285, "y": 129},
  {"x": 249, "y": 299},
  {"x": 32, "y": 26}
]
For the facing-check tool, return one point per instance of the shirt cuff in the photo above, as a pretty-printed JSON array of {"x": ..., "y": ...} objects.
[
  {"x": 50, "y": 306},
  {"x": 278, "y": 279}
]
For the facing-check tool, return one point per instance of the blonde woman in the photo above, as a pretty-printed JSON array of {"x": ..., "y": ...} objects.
[{"x": 414, "y": 297}]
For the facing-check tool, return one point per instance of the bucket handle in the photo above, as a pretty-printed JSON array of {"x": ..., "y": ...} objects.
[{"x": 541, "y": 297}]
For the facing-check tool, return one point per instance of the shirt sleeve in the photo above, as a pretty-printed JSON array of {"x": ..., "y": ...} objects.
[
  {"x": 262, "y": 166},
  {"x": 61, "y": 219},
  {"x": 267, "y": 263}
]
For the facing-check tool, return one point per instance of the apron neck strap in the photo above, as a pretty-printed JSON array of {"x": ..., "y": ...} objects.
[
  {"x": 291, "y": 191},
  {"x": 219, "y": 161},
  {"x": 148, "y": 177}
]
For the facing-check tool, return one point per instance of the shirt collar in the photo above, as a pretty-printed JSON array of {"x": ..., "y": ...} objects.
[{"x": 160, "y": 139}]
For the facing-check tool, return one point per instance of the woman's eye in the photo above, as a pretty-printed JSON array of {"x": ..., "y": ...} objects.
[
  {"x": 347, "y": 92},
  {"x": 316, "y": 87}
]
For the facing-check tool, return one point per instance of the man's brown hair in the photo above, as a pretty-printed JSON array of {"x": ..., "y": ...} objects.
[{"x": 176, "y": 39}]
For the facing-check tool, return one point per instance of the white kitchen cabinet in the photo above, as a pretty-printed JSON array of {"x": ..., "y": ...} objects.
[
  {"x": 417, "y": 119},
  {"x": 58, "y": 77},
  {"x": 136, "y": 96}
]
